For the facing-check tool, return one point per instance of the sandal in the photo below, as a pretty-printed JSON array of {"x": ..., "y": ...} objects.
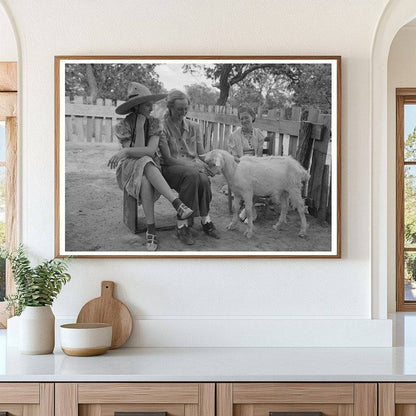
[
  {"x": 184, "y": 212},
  {"x": 152, "y": 243}
]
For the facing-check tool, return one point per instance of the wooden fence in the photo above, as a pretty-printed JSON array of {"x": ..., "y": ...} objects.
[
  {"x": 90, "y": 123},
  {"x": 308, "y": 141}
]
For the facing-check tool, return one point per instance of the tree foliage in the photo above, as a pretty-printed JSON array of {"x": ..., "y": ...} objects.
[
  {"x": 410, "y": 191},
  {"x": 201, "y": 94},
  {"x": 410, "y": 146},
  {"x": 410, "y": 205},
  {"x": 109, "y": 80},
  {"x": 274, "y": 84}
]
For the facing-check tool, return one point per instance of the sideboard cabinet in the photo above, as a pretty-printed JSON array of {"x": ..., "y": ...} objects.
[{"x": 207, "y": 399}]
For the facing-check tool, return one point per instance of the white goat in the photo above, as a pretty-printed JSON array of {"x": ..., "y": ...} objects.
[{"x": 279, "y": 177}]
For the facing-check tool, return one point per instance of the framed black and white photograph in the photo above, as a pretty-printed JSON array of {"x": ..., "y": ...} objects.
[{"x": 198, "y": 156}]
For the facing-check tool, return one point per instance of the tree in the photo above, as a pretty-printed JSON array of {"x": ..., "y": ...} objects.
[
  {"x": 262, "y": 89},
  {"x": 307, "y": 84},
  {"x": 201, "y": 94},
  {"x": 410, "y": 205},
  {"x": 410, "y": 146},
  {"x": 109, "y": 80},
  {"x": 224, "y": 75}
]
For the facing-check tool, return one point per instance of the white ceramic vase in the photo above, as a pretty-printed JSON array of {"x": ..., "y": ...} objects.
[{"x": 37, "y": 330}]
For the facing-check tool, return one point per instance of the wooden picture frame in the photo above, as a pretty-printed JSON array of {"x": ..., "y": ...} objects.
[{"x": 297, "y": 101}]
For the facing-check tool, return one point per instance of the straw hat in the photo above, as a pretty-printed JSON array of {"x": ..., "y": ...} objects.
[{"x": 137, "y": 94}]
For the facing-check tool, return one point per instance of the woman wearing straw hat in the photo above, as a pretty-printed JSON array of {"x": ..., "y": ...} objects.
[{"x": 137, "y": 166}]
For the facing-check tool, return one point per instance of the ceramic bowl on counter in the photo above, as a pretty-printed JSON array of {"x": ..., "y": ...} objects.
[{"x": 87, "y": 339}]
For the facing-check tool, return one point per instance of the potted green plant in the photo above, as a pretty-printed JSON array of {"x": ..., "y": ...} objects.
[{"x": 36, "y": 289}]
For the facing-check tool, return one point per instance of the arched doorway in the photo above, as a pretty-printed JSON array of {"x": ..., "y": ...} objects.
[{"x": 396, "y": 14}]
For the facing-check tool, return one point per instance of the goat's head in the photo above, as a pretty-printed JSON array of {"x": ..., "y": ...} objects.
[{"x": 214, "y": 159}]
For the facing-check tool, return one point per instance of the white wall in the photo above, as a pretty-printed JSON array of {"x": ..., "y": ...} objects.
[
  {"x": 401, "y": 74},
  {"x": 8, "y": 46},
  {"x": 179, "y": 302}
]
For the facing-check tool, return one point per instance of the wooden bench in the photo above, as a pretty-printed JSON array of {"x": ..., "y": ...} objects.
[{"x": 135, "y": 222}]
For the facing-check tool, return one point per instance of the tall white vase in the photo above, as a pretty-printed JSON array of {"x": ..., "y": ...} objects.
[{"x": 37, "y": 330}]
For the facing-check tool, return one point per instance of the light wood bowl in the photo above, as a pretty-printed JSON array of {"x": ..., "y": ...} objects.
[{"x": 84, "y": 340}]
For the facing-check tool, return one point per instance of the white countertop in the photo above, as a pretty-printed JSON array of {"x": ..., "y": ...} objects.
[
  {"x": 213, "y": 364},
  {"x": 222, "y": 364}
]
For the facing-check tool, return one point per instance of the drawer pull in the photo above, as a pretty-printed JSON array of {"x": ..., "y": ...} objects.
[
  {"x": 139, "y": 414},
  {"x": 296, "y": 414}
]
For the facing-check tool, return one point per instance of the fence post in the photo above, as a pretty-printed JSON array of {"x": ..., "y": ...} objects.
[
  {"x": 221, "y": 129},
  {"x": 303, "y": 154},
  {"x": 208, "y": 145},
  {"x": 215, "y": 138},
  {"x": 90, "y": 128},
  {"x": 108, "y": 124},
  {"x": 79, "y": 121},
  {"x": 227, "y": 128},
  {"x": 317, "y": 182},
  {"x": 323, "y": 203},
  {"x": 68, "y": 123},
  {"x": 280, "y": 146},
  {"x": 99, "y": 123},
  {"x": 293, "y": 140},
  {"x": 271, "y": 136}
]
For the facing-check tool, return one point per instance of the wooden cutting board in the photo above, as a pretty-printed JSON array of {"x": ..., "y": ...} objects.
[{"x": 107, "y": 309}]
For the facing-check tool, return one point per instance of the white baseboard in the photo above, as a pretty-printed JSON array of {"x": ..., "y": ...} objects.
[{"x": 258, "y": 332}]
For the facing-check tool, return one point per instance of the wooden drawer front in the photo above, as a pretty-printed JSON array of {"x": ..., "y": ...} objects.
[
  {"x": 19, "y": 393},
  {"x": 138, "y": 393},
  {"x": 332, "y": 399},
  {"x": 293, "y": 393},
  {"x": 104, "y": 399},
  {"x": 405, "y": 393}
]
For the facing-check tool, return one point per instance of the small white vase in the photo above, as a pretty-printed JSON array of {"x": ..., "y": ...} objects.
[{"x": 37, "y": 330}]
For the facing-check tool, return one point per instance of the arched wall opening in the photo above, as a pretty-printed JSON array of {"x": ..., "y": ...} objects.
[
  {"x": 397, "y": 14},
  {"x": 8, "y": 44},
  {"x": 401, "y": 73}
]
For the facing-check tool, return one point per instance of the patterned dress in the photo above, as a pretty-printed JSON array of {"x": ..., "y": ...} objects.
[{"x": 129, "y": 172}]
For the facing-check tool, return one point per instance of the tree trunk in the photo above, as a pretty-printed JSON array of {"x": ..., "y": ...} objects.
[
  {"x": 92, "y": 85},
  {"x": 224, "y": 84}
]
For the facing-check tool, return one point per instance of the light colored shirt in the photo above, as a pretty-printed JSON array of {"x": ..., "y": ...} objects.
[
  {"x": 182, "y": 139},
  {"x": 239, "y": 145}
]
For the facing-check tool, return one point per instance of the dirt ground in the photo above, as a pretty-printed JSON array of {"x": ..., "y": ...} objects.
[{"x": 94, "y": 219}]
